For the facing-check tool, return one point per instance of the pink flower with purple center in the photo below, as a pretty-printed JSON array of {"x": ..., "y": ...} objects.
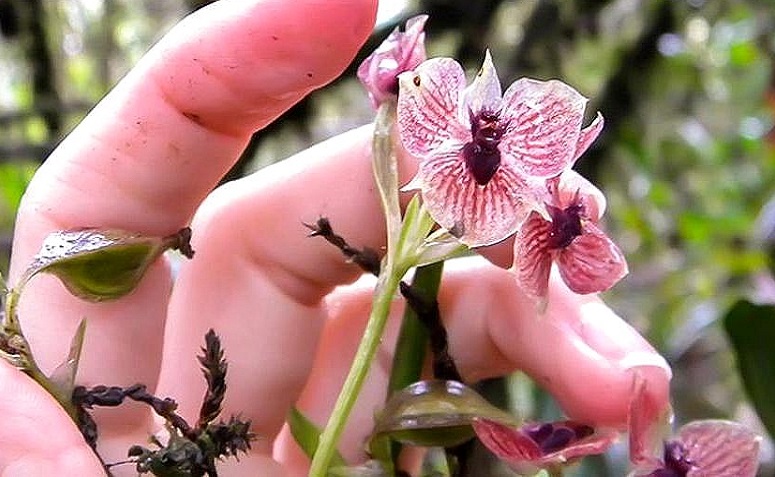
[
  {"x": 569, "y": 235},
  {"x": 535, "y": 446},
  {"x": 710, "y": 448},
  {"x": 483, "y": 154},
  {"x": 400, "y": 52}
]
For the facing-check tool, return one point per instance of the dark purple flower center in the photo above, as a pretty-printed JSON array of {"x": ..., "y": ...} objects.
[
  {"x": 481, "y": 154},
  {"x": 555, "y": 437},
  {"x": 677, "y": 462},
  {"x": 566, "y": 225}
]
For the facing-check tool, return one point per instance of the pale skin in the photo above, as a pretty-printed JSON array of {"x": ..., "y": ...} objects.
[{"x": 146, "y": 160}]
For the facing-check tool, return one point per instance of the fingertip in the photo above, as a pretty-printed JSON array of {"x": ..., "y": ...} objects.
[
  {"x": 598, "y": 354},
  {"x": 249, "y": 61},
  {"x": 579, "y": 350}
]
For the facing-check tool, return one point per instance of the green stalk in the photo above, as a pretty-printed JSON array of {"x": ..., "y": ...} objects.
[
  {"x": 383, "y": 298},
  {"x": 411, "y": 347},
  {"x": 385, "y": 170},
  {"x": 12, "y": 330}
]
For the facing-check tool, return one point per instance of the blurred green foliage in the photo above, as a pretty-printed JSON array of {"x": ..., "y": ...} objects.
[
  {"x": 686, "y": 159},
  {"x": 751, "y": 330}
]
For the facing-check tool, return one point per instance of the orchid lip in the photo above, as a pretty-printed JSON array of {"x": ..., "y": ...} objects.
[
  {"x": 482, "y": 156},
  {"x": 566, "y": 225},
  {"x": 676, "y": 461}
]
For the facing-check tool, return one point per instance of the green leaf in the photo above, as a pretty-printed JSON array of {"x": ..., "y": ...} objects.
[
  {"x": 435, "y": 413},
  {"x": 307, "y": 435},
  {"x": 751, "y": 331},
  {"x": 412, "y": 248},
  {"x": 63, "y": 377},
  {"x": 98, "y": 265}
]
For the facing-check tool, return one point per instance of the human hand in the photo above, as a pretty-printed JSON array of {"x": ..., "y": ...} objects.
[{"x": 146, "y": 160}]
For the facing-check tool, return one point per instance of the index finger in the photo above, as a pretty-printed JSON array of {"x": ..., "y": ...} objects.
[{"x": 157, "y": 144}]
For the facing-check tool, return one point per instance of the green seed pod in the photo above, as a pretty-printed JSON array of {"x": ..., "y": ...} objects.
[{"x": 99, "y": 265}]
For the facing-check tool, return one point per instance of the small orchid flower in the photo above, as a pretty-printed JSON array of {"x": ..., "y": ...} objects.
[
  {"x": 711, "y": 448},
  {"x": 481, "y": 153},
  {"x": 400, "y": 52},
  {"x": 587, "y": 259},
  {"x": 532, "y": 447}
]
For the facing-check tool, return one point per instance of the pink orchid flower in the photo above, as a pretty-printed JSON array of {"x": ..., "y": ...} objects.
[
  {"x": 532, "y": 447},
  {"x": 587, "y": 259},
  {"x": 711, "y": 448},
  {"x": 482, "y": 154},
  {"x": 400, "y": 52}
]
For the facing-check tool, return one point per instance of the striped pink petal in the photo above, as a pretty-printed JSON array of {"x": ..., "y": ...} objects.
[
  {"x": 428, "y": 107},
  {"x": 506, "y": 442},
  {"x": 532, "y": 256},
  {"x": 720, "y": 449},
  {"x": 544, "y": 126},
  {"x": 592, "y": 262},
  {"x": 484, "y": 93},
  {"x": 521, "y": 452},
  {"x": 477, "y": 215},
  {"x": 588, "y": 135},
  {"x": 647, "y": 421}
]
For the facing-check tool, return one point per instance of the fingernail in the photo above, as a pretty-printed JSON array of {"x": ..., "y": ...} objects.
[{"x": 647, "y": 359}]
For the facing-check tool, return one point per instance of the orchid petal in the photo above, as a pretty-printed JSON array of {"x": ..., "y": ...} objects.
[
  {"x": 592, "y": 262},
  {"x": 593, "y": 445},
  {"x": 543, "y": 126},
  {"x": 647, "y": 422},
  {"x": 588, "y": 135},
  {"x": 720, "y": 449},
  {"x": 413, "y": 45},
  {"x": 477, "y": 215},
  {"x": 531, "y": 253},
  {"x": 510, "y": 445},
  {"x": 400, "y": 52},
  {"x": 506, "y": 442},
  {"x": 516, "y": 448},
  {"x": 575, "y": 188},
  {"x": 484, "y": 94},
  {"x": 428, "y": 103}
]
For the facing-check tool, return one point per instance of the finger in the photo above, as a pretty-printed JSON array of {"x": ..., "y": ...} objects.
[
  {"x": 580, "y": 351},
  {"x": 258, "y": 279},
  {"x": 148, "y": 154},
  {"x": 37, "y": 438}
]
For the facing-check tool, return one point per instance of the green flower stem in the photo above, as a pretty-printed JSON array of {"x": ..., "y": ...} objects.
[
  {"x": 11, "y": 322},
  {"x": 386, "y": 178},
  {"x": 372, "y": 337},
  {"x": 11, "y": 329},
  {"x": 385, "y": 170},
  {"x": 411, "y": 347}
]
